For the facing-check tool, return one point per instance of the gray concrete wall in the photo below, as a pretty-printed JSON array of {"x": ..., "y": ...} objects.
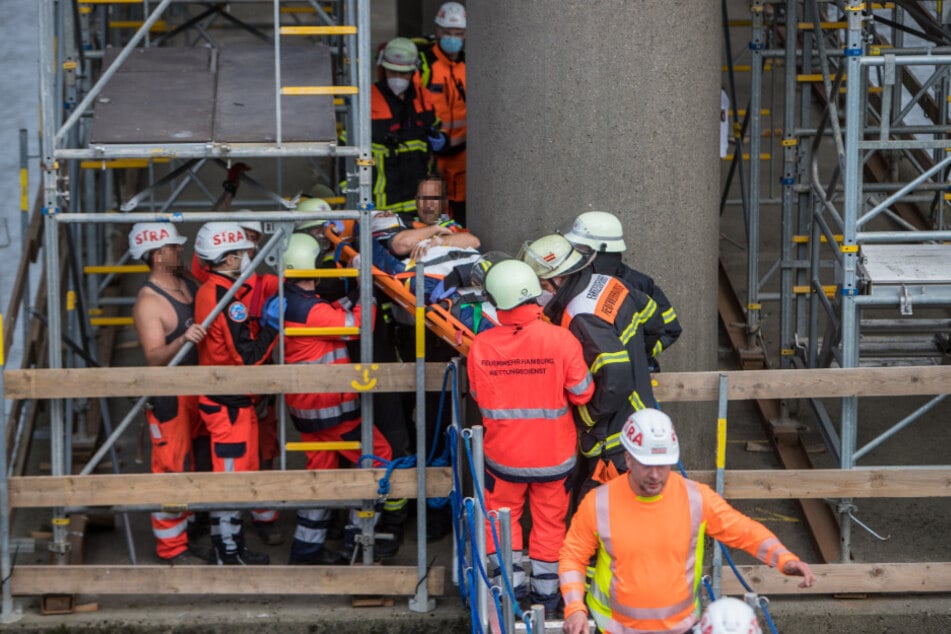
[{"x": 613, "y": 105}]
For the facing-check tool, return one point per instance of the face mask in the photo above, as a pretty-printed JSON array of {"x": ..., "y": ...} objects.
[
  {"x": 245, "y": 262},
  {"x": 450, "y": 44},
  {"x": 545, "y": 298},
  {"x": 398, "y": 84}
]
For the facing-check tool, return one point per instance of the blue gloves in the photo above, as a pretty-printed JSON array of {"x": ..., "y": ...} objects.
[
  {"x": 437, "y": 140},
  {"x": 271, "y": 315}
]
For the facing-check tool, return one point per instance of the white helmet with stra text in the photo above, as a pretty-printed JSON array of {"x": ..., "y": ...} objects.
[
  {"x": 649, "y": 436},
  {"x": 553, "y": 256},
  {"x": 149, "y": 236},
  {"x": 451, "y": 15},
  {"x": 727, "y": 615},
  {"x": 217, "y": 239},
  {"x": 511, "y": 283},
  {"x": 599, "y": 230}
]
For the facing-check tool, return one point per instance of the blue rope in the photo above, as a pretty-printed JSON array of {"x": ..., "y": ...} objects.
[
  {"x": 470, "y": 512},
  {"x": 709, "y": 587},
  {"x": 495, "y": 536},
  {"x": 763, "y": 604}
]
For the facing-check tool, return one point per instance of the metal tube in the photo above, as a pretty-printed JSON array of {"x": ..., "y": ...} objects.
[
  {"x": 538, "y": 619},
  {"x": 505, "y": 560},
  {"x": 478, "y": 466},
  {"x": 900, "y": 425},
  {"x": 206, "y": 150},
  {"x": 855, "y": 119},
  {"x": 787, "y": 273},
  {"x": 278, "y": 123},
  {"x": 722, "y": 405},
  {"x": 757, "y": 42},
  {"x": 112, "y": 70},
  {"x": 183, "y": 352},
  {"x": 870, "y": 237},
  {"x": 212, "y": 216},
  {"x": 877, "y": 209}
]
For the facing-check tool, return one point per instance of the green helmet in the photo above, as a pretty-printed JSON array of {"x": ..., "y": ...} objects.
[
  {"x": 302, "y": 252},
  {"x": 400, "y": 55},
  {"x": 511, "y": 283},
  {"x": 312, "y": 204}
]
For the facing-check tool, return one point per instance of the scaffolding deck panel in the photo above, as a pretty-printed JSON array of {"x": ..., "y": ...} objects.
[
  {"x": 169, "y": 95},
  {"x": 907, "y": 263}
]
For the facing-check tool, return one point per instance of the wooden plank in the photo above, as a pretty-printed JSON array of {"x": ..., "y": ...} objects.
[
  {"x": 813, "y": 383},
  {"x": 275, "y": 379},
  {"x": 882, "y": 578},
  {"x": 222, "y": 580},
  {"x": 873, "y": 482},
  {"x": 220, "y": 488},
  {"x": 400, "y": 377}
]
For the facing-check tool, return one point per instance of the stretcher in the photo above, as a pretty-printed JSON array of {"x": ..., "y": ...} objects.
[{"x": 439, "y": 317}]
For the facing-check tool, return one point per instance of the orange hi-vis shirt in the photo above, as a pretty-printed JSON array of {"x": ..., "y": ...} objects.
[{"x": 650, "y": 553}]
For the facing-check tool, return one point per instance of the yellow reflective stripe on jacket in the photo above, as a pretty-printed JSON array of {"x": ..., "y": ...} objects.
[
  {"x": 669, "y": 315},
  {"x": 658, "y": 348},
  {"x": 605, "y": 358},
  {"x": 636, "y": 402},
  {"x": 585, "y": 415},
  {"x": 639, "y": 319}
]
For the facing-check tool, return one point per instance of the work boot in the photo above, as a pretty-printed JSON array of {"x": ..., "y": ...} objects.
[
  {"x": 384, "y": 548},
  {"x": 269, "y": 533},
  {"x": 204, "y": 553},
  {"x": 323, "y": 557},
  {"x": 185, "y": 558},
  {"x": 242, "y": 557}
]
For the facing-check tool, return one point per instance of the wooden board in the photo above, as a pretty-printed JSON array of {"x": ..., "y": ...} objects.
[
  {"x": 881, "y": 578},
  {"x": 214, "y": 488},
  {"x": 400, "y": 377},
  {"x": 288, "y": 379},
  {"x": 350, "y": 484},
  {"x": 222, "y": 580}
]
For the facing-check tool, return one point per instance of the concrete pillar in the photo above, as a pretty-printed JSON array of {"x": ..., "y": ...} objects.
[{"x": 610, "y": 105}]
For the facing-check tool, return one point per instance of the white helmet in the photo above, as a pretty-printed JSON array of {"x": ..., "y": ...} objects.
[
  {"x": 251, "y": 225},
  {"x": 727, "y": 615},
  {"x": 302, "y": 252},
  {"x": 599, "y": 230},
  {"x": 511, "y": 283},
  {"x": 552, "y": 256},
  {"x": 649, "y": 436},
  {"x": 216, "y": 239},
  {"x": 312, "y": 204},
  {"x": 451, "y": 15},
  {"x": 148, "y": 236},
  {"x": 400, "y": 55}
]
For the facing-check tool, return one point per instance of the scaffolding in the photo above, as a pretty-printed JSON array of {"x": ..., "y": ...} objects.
[
  {"x": 863, "y": 275},
  {"x": 101, "y": 94}
]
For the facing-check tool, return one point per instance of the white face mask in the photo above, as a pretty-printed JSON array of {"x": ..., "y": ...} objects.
[
  {"x": 245, "y": 262},
  {"x": 545, "y": 298},
  {"x": 398, "y": 84}
]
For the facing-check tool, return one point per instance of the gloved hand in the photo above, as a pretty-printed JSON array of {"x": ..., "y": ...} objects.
[
  {"x": 437, "y": 140},
  {"x": 230, "y": 183},
  {"x": 271, "y": 314}
]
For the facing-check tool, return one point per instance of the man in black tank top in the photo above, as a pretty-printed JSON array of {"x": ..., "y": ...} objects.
[{"x": 164, "y": 321}]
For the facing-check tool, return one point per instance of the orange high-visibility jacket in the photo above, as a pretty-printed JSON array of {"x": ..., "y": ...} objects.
[
  {"x": 523, "y": 374},
  {"x": 650, "y": 553}
]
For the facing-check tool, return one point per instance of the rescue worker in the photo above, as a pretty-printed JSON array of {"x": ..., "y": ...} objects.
[
  {"x": 319, "y": 417},
  {"x": 648, "y": 529},
  {"x": 727, "y": 615},
  {"x": 405, "y": 129},
  {"x": 164, "y": 321},
  {"x": 602, "y": 232},
  {"x": 231, "y": 340},
  {"x": 612, "y": 322},
  {"x": 524, "y": 375},
  {"x": 442, "y": 74}
]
